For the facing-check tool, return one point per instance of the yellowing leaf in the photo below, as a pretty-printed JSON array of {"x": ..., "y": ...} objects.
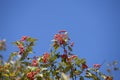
[{"x": 64, "y": 76}]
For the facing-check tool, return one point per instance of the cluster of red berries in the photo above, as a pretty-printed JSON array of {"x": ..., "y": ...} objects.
[
  {"x": 61, "y": 37},
  {"x": 32, "y": 74},
  {"x": 20, "y": 45},
  {"x": 45, "y": 57},
  {"x": 35, "y": 62}
]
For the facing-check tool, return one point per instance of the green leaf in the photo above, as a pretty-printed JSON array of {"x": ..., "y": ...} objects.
[
  {"x": 39, "y": 59},
  {"x": 77, "y": 72},
  {"x": 12, "y": 55},
  {"x": 102, "y": 75},
  {"x": 31, "y": 44},
  {"x": 6, "y": 75},
  {"x": 54, "y": 73},
  {"x": 18, "y": 42},
  {"x": 29, "y": 49},
  {"x": 39, "y": 76},
  {"x": 81, "y": 78},
  {"x": 79, "y": 61},
  {"x": 52, "y": 59},
  {"x": 66, "y": 69},
  {"x": 62, "y": 64},
  {"x": 31, "y": 39},
  {"x": 43, "y": 69},
  {"x": 26, "y": 63},
  {"x": 29, "y": 67},
  {"x": 24, "y": 55},
  {"x": 64, "y": 76},
  {"x": 91, "y": 75},
  {"x": 69, "y": 48},
  {"x": 34, "y": 68},
  {"x": 56, "y": 46}
]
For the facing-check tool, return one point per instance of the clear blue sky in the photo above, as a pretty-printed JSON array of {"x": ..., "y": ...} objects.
[{"x": 94, "y": 25}]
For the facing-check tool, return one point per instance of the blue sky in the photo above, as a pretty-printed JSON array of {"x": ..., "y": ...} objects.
[{"x": 94, "y": 25}]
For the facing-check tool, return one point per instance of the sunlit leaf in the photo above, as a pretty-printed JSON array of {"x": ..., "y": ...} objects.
[
  {"x": 67, "y": 69},
  {"x": 77, "y": 72},
  {"x": 30, "y": 49},
  {"x": 56, "y": 46},
  {"x": 12, "y": 55},
  {"x": 24, "y": 55},
  {"x": 64, "y": 77},
  {"x": 102, "y": 75},
  {"x": 79, "y": 61},
  {"x": 6, "y": 75},
  {"x": 91, "y": 75},
  {"x": 42, "y": 69},
  {"x": 26, "y": 63},
  {"x": 31, "y": 39}
]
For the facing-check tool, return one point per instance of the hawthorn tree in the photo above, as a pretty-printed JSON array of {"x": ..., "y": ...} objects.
[{"x": 58, "y": 64}]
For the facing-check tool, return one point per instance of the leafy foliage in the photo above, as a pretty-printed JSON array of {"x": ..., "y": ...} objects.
[{"x": 54, "y": 65}]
